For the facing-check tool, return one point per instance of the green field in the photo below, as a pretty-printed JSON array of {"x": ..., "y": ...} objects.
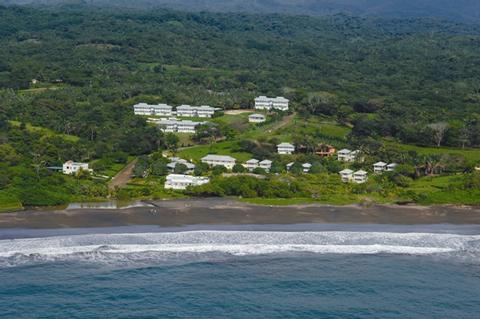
[{"x": 46, "y": 132}]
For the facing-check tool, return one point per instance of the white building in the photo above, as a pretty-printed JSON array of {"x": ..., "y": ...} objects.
[
  {"x": 379, "y": 167},
  {"x": 285, "y": 148},
  {"x": 347, "y": 155},
  {"x": 346, "y": 175},
  {"x": 257, "y": 118},
  {"x": 72, "y": 168},
  {"x": 289, "y": 166},
  {"x": 173, "y": 125},
  {"x": 266, "y": 165},
  {"x": 155, "y": 110},
  {"x": 195, "y": 111},
  {"x": 306, "y": 167},
  {"x": 391, "y": 167},
  {"x": 181, "y": 182},
  {"x": 251, "y": 164},
  {"x": 175, "y": 161},
  {"x": 360, "y": 177},
  {"x": 267, "y": 103},
  {"x": 219, "y": 160}
]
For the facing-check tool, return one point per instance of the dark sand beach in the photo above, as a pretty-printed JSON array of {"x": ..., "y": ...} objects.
[{"x": 176, "y": 213}]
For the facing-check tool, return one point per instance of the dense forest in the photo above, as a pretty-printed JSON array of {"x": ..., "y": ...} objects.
[{"x": 76, "y": 72}]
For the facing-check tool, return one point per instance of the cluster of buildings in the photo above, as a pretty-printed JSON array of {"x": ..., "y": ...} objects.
[
  {"x": 204, "y": 111},
  {"x": 278, "y": 103},
  {"x": 174, "y": 125}
]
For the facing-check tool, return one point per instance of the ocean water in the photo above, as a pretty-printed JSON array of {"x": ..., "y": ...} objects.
[{"x": 286, "y": 272}]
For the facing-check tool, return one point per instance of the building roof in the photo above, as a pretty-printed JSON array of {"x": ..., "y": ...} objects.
[
  {"x": 285, "y": 145},
  {"x": 380, "y": 164},
  {"x": 257, "y": 115},
  {"x": 360, "y": 172},
  {"x": 344, "y": 151},
  {"x": 74, "y": 163},
  {"x": 185, "y": 178},
  {"x": 159, "y": 106},
  {"x": 224, "y": 158},
  {"x": 266, "y": 162},
  {"x": 306, "y": 165},
  {"x": 264, "y": 98},
  {"x": 392, "y": 165},
  {"x": 346, "y": 171},
  {"x": 252, "y": 161}
]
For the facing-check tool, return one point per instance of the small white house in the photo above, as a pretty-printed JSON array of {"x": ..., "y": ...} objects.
[
  {"x": 251, "y": 164},
  {"x": 289, "y": 166},
  {"x": 271, "y": 103},
  {"x": 391, "y": 167},
  {"x": 257, "y": 118},
  {"x": 285, "y": 149},
  {"x": 306, "y": 167},
  {"x": 152, "y": 109},
  {"x": 72, "y": 168},
  {"x": 346, "y": 175},
  {"x": 360, "y": 177},
  {"x": 219, "y": 160},
  {"x": 379, "y": 167},
  {"x": 181, "y": 182},
  {"x": 266, "y": 165}
]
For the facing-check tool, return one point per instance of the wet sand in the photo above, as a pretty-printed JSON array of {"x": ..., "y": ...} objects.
[{"x": 178, "y": 213}]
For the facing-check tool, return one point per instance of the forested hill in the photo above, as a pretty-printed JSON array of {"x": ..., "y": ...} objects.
[{"x": 448, "y": 9}]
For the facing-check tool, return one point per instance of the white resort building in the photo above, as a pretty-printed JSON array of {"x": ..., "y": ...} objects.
[
  {"x": 391, "y": 167},
  {"x": 347, "y": 155},
  {"x": 346, "y": 175},
  {"x": 285, "y": 148},
  {"x": 306, "y": 167},
  {"x": 251, "y": 164},
  {"x": 72, "y": 168},
  {"x": 379, "y": 167},
  {"x": 257, "y": 118},
  {"x": 195, "y": 111},
  {"x": 266, "y": 165},
  {"x": 173, "y": 125},
  {"x": 153, "y": 110},
  {"x": 219, "y": 160},
  {"x": 181, "y": 182},
  {"x": 360, "y": 177},
  {"x": 271, "y": 103}
]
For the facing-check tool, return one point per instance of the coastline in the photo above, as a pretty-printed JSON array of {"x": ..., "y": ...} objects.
[{"x": 218, "y": 211}]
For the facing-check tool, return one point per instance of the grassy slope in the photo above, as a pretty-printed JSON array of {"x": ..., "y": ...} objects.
[{"x": 46, "y": 132}]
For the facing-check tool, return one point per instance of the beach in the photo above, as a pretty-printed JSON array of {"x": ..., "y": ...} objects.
[{"x": 215, "y": 211}]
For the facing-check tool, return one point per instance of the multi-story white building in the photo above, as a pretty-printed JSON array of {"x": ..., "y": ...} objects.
[
  {"x": 266, "y": 165},
  {"x": 360, "y": 177},
  {"x": 347, "y": 155},
  {"x": 285, "y": 148},
  {"x": 173, "y": 125},
  {"x": 251, "y": 164},
  {"x": 271, "y": 103},
  {"x": 72, "y": 168},
  {"x": 219, "y": 160},
  {"x": 151, "y": 109},
  {"x": 346, "y": 175},
  {"x": 379, "y": 167},
  {"x": 181, "y": 182},
  {"x": 195, "y": 111},
  {"x": 257, "y": 118}
]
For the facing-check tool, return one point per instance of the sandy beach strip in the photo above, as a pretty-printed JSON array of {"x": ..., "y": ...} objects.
[{"x": 176, "y": 213}]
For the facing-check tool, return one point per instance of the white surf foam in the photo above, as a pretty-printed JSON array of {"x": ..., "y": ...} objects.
[{"x": 237, "y": 243}]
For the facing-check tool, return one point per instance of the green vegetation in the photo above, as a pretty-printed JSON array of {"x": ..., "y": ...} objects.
[{"x": 404, "y": 91}]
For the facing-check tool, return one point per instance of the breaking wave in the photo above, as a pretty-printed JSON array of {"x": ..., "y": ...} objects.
[{"x": 205, "y": 245}]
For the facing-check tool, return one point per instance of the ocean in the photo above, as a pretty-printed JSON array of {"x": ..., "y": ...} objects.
[{"x": 298, "y": 271}]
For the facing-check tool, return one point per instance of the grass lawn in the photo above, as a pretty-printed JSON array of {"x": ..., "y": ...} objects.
[
  {"x": 9, "y": 202},
  {"x": 222, "y": 148},
  {"x": 46, "y": 132}
]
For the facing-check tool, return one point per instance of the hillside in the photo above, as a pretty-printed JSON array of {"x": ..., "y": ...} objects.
[{"x": 467, "y": 10}]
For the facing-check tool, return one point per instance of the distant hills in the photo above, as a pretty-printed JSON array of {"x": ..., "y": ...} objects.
[{"x": 465, "y": 10}]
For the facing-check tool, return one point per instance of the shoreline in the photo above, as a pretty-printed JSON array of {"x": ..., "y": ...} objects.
[{"x": 220, "y": 211}]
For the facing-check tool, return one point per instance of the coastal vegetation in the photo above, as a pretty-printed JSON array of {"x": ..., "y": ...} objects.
[{"x": 404, "y": 91}]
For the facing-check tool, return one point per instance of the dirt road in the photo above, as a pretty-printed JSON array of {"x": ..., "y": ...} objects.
[{"x": 123, "y": 177}]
